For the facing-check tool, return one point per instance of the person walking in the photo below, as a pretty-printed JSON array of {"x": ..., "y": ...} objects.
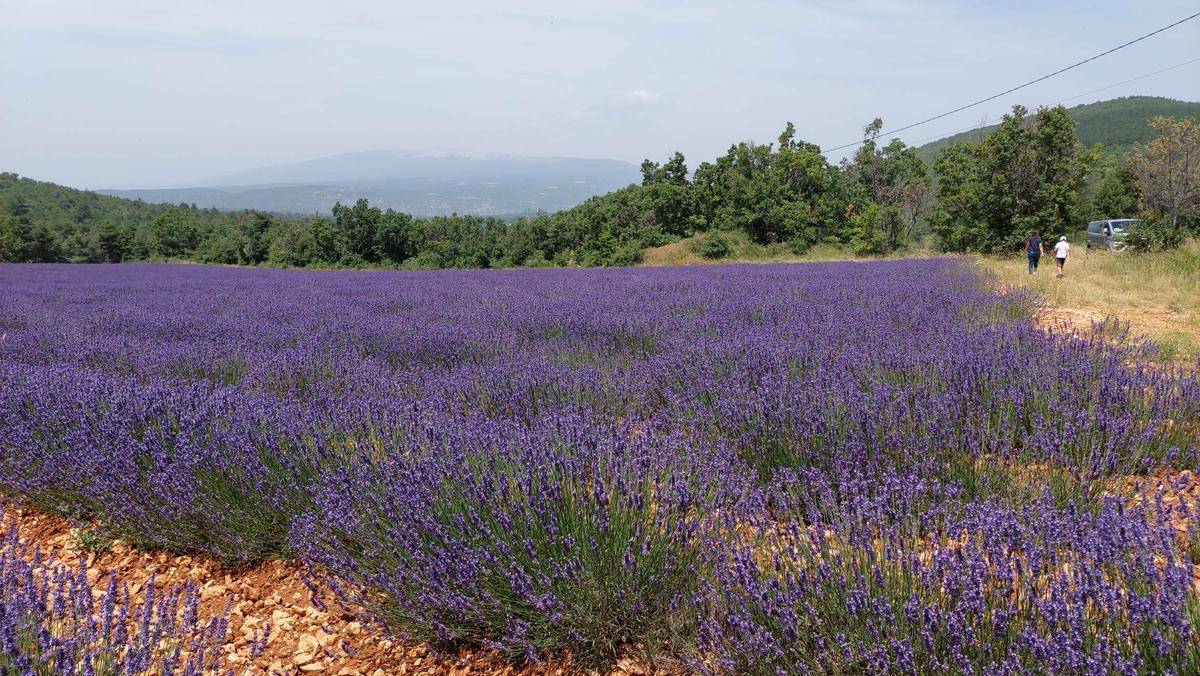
[
  {"x": 1033, "y": 247},
  {"x": 1060, "y": 253}
]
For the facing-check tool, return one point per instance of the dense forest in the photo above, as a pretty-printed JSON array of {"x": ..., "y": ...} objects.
[{"x": 1032, "y": 171}]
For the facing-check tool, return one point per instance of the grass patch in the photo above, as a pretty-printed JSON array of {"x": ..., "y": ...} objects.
[
  {"x": 1158, "y": 294},
  {"x": 690, "y": 251}
]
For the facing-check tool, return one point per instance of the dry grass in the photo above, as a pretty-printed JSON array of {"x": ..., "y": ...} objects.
[
  {"x": 1157, "y": 294},
  {"x": 683, "y": 252}
]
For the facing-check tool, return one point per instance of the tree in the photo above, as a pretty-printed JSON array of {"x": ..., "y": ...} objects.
[
  {"x": 11, "y": 247},
  {"x": 173, "y": 234},
  {"x": 1027, "y": 174},
  {"x": 787, "y": 195},
  {"x": 84, "y": 213},
  {"x": 77, "y": 248},
  {"x": 958, "y": 214},
  {"x": 360, "y": 227},
  {"x": 1168, "y": 170},
  {"x": 328, "y": 243},
  {"x": 249, "y": 241},
  {"x": 811, "y": 202},
  {"x": 1116, "y": 193},
  {"x": 112, "y": 243},
  {"x": 668, "y": 194},
  {"x": 1061, "y": 165},
  {"x": 393, "y": 237},
  {"x": 38, "y": 244},
  {"x": 291, "y": 247},
  {"x": 894, "y": 179},
  {"x": 18, "y": 206}
]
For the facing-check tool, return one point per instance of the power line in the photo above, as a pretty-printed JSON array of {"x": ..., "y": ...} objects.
[
  {"x": 1069, "y": 98},
  {"x": 1027, "y": 84},
  {"x": 1132, "y": 79}
]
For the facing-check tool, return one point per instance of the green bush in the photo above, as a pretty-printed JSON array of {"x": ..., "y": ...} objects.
[
  {"x": 1154, "y": 236},
  {"x": 426, "y": 260},
  {"x": 799, "y": 245},
  {"x": 713, "y": 246},
  {"x": 537, "y": 260},
  {"x": 626, "y": 255}
]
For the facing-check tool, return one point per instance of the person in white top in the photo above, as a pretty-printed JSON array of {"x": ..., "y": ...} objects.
[{"x": 1060, "y": 253}]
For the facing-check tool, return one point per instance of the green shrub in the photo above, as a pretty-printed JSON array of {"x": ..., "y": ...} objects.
[
  {"x": 626, "y": 255},
  {"x": 713, "y": 246},
  {"x": 1154, "y": 236},
  {"x": 799, "y": 245},
  {"x": 426, "y": 260},
  {"x": 537, "y": 260}
]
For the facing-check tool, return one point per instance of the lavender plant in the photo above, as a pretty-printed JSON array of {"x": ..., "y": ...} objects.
[
  {"x": 532, "y": 541},
  {"x": 52, "y": 621}
]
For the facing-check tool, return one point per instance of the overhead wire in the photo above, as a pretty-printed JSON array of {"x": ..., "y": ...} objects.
[
  {"x": 1132, "y": 79},
  {"x": 1026, "y": 84},
  {"x": 1069, "y": 98}
]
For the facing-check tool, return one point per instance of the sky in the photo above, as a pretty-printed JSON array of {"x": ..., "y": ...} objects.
[{"x": 143, "y": 94}]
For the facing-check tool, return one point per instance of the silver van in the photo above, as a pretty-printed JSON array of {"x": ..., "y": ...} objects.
[{"x": 1110, "y": 234}]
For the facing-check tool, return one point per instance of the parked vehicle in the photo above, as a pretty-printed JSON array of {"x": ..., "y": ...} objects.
[{"x": 1110, "y": 234}]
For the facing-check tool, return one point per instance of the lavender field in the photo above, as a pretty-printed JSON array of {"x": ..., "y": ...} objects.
[{"x": 845, "y": 467}]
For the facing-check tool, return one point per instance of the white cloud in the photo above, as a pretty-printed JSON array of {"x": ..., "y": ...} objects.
[
  {"x": 640, "y": 97},
  {"x": 624, "y": 102}
]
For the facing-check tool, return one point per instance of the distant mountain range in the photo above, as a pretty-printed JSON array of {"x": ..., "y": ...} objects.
[
  {"x": 1117, "y": 123},
  {"x": 416, "y": 183}
]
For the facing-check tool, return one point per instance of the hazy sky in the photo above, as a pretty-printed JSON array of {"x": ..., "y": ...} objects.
[{"x": 115, "y": 94}]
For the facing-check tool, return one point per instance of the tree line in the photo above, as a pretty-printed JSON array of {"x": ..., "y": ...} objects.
[{"x": 1031, "y": 172}]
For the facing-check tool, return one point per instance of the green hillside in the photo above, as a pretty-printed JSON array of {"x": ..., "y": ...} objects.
[
  {"x": 1117, "y": 124},
  {"x": 42, "y": 221},
  {"x": 785, "y": 198},
  {"x": 60, "y": 207}
]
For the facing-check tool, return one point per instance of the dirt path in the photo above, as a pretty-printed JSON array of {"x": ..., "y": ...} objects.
[{"x": 1067, "y": 320}]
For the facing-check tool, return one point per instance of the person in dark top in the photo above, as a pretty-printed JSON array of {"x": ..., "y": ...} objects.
[{"x": 1033, "y": 247}]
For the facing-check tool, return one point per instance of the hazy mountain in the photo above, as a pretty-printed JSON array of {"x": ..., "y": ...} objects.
[
  {"x": 420, "y": 184},
  {"x": 1117, "y": 123}
]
